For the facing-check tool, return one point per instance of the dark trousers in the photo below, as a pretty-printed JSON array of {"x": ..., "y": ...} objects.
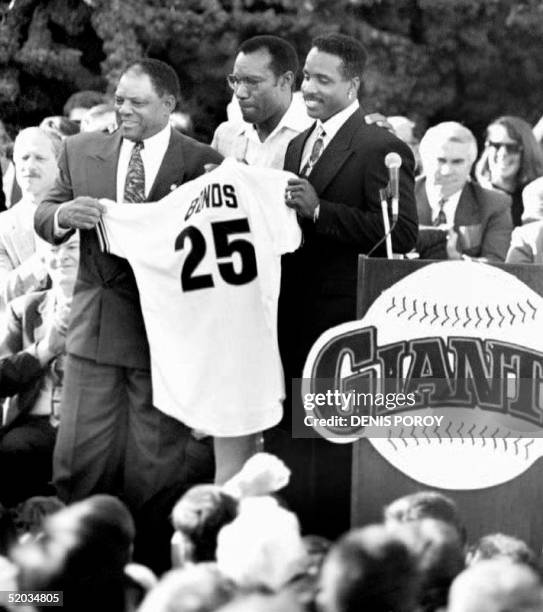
[
  {"x": 26, "y": 453},
  {"x": 319, "y": 491},
  {"x": 113, "y": 440}
]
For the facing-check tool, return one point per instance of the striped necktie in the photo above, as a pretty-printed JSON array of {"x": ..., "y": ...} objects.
[
  {"x": 316, "y": 152},
  {"x": 134, "y": 186},
  {"x": 441, "y": 218}
]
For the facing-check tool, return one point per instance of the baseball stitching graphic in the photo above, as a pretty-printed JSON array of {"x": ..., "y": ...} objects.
[{"x": 448, "y": 303}]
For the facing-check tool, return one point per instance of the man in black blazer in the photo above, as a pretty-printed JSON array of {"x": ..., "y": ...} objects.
[
  {"x": 107, "y": 388},
  {"x": 337, "y": 199}
]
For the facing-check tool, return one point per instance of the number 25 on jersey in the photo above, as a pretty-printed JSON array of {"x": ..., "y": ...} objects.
[{"x": 225, "y": 248}]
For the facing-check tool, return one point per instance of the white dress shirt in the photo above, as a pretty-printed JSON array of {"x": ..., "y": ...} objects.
[
  {"x": 239, "y": 139},
  {"x": 331, "y": 127},
  {"x": 152, "y": 154},
  {"x": 8, "y": 182}
]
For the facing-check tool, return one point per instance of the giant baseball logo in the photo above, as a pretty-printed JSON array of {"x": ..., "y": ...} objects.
[{"x": 461, "y": 345}]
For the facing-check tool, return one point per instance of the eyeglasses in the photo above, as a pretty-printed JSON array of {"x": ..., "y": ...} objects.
[
  {"x": 511, "y": 148},
  {"x": 250, "y": 83}
]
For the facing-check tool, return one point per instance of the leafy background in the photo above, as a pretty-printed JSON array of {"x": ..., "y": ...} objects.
[{"x": 468, "y": 60}]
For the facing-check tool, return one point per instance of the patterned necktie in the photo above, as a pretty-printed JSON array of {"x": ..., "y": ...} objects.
[
  {"x": 316, "y": 152},
  {"x": 134, "y": 186},
  {"x": 441, "y": 218}
]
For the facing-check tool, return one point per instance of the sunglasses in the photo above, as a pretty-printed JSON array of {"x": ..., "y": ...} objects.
[{"x": 511, "y": 148}]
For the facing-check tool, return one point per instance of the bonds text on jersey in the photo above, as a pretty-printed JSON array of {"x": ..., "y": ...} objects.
[{"x": 213, "y": 195}]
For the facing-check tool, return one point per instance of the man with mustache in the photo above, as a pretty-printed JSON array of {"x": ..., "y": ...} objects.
[
  {"x": 340, "y": 167},
  {"x": 458, "y": 218},
  {"x": 22, "y": 270}
]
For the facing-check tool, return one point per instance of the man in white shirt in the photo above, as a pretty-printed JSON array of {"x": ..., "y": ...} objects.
[
  {"x": 111, "y": 438},
  {"x": 262, "y": 80},
  {"x": 458, "y": 218}
]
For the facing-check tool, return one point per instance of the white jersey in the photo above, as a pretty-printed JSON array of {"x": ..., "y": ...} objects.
[{"x": 207, "y": 263}]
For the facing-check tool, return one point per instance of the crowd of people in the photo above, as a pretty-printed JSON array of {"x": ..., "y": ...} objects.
[
  {"x": 81, "y": 423},
  {"x": 236, "y": 547}
]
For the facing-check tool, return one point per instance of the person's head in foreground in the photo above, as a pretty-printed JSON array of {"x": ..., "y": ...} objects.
[
  {"x": 496, "y": 585},
  {"x": 368, "y": 569}
]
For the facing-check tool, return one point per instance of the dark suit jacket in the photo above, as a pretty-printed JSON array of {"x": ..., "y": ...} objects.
[
  {"x": 482, "y": 220},
  {"x": 318, "y": 291},
  {"x": 2, "y": 195},
  {"x": 106, "y": 320},
  {"x": 18, "y": 373},
  {"x": 318, "y": 287},
  {"x": 23, "y": 328}
]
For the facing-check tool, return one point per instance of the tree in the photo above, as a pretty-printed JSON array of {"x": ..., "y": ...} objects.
[{"x": 468, "y": 60}]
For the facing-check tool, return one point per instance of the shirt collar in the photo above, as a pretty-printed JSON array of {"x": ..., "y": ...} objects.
[
  {"x": 332, "y": 125},
  {"x": 449, "y": 206},
  {"x": 295, "y": 119},
  {"x": 160, "y": 140},
  {"x": 27, "y": 201},
  {"x": 434, "y": 197}
]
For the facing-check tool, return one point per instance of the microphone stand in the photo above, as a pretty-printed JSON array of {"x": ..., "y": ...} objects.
[
  {"x": 386, "y": 224},
  {"x": 383, "y": 196}
]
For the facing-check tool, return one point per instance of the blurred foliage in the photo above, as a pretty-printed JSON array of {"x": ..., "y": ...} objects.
[{"x": 468, "y": 60}]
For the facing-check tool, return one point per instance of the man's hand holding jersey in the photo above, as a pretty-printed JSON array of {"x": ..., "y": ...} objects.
[
  {"x": 81, "y": 213},
  {"x": 302, "y": 197}
]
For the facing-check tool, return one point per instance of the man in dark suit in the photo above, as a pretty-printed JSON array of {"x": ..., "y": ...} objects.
[
  {"x": 340, "y": 163},
  {"x": 107, "y": 387},
  {"x": 458, "y": 218}
]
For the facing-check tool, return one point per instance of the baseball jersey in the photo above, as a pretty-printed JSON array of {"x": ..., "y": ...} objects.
[{"x": 207, "y": 263}]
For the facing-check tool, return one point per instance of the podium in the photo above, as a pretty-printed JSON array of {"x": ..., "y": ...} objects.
[{"x": 513, "y": 507}]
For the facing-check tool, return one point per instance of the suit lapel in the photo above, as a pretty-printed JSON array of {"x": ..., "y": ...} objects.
[
  {"x": 102, "y": 169},
  {"x": 22, "y": 403},
  {"x": 467, "y": 211},
  {"x": 172, "y": 169},
  {"x": 423, "y": 205},
  {"x": 336, "y": 153},
  {"x": 293, "y": 161}
]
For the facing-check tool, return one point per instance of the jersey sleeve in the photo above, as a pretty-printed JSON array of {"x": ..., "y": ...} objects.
[
  {"x": 282, "y": 221},
  {"x": 123, "y": 227},
  {"x": 105, "y": 230}
]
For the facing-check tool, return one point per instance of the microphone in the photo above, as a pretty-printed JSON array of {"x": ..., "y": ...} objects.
[{"x": 393, "y": 162}]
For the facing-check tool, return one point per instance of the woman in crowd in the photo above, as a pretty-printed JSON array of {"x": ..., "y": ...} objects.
[{"x": 510, "y": 160}]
